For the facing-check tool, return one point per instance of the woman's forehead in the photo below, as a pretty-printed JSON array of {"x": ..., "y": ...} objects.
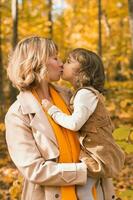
[{"x": 55, "y": 53}]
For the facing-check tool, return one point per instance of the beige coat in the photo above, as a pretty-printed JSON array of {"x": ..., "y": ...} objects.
[{"x": 34, "y": 150}]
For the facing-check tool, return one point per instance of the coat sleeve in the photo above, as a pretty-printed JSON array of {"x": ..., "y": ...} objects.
[{"x": 27, "y": 158}]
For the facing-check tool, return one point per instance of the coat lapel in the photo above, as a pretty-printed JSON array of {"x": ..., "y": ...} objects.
[{"x": 30, "y": 105}]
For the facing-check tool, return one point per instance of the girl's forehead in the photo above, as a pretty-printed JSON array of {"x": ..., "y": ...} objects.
[
  {"x": 70, "y": 57},
  {"x": 73, "y": 60}
]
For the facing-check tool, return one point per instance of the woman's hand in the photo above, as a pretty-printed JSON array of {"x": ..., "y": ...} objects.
[{"x": 46, "y": 104}]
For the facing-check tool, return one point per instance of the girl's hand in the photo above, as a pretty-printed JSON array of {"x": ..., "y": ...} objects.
[{"x": 46, "y": 104}]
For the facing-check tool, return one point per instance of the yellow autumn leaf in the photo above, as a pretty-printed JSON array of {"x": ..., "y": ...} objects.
[
  {"x": 124, "y": 102},
  {"x": 130, "y": 137},
  {"x": 2, "y": 127},
  {"x": 124, "y": 115},
  {"x": 111, "y": 107}
]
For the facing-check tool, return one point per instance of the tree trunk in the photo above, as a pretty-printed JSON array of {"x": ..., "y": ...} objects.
[
  {"x": 50, "y": 18},
  {"x": 1, "y": 66},
  {"x": 99, "y": 28},
  {"x": 130, "y": 8},
  {"x": 106, "y": 23},
  {"x": 15, "y": 22},
  {"x": 13, "y": 91}
]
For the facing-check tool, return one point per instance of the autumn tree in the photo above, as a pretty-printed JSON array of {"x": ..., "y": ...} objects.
[
  {"x": 1, "y": 64},
  {"x": 99, "y": 27},
  {"x": 15, "y": 22},
  {"x": 130, "y": 6},
  {"x": 14, "y": 8},
  {"x": 50, "y": 18}
]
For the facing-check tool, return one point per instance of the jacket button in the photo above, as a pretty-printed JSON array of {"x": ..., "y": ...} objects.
[{"x": 56, "y": 195}]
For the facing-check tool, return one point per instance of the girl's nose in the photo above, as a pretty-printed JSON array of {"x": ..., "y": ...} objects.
[{"x": 60, "y": 63}]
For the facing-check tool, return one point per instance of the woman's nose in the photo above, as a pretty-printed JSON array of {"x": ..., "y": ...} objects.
[{"x": 60, "y": 63}]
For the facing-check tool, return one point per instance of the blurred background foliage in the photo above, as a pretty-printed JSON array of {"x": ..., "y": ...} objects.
[{"x": 105, "y": 27}]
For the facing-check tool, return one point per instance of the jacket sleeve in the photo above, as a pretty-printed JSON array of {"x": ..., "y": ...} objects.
[
  {"x": 85, "y": 103},
  {"x": 26, "y": 156}
]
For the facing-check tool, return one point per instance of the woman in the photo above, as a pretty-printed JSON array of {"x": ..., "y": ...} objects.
[{"x": 48, "y": 161}]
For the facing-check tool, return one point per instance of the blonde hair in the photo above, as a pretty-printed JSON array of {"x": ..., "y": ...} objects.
[{"x": 27, "y": 64}]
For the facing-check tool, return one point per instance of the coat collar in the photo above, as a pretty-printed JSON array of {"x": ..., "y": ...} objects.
[
  {"x": 40, "y": 122},
  {"x": 30, "y": 105},
  {"x": 28, "y": 102}
]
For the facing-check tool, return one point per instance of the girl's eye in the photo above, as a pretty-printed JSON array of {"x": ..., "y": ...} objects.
[
  {"x": 56, "y": 58},
  {"x": 68, "y": 61}
]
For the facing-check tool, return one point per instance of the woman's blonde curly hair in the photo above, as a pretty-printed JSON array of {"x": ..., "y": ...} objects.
[{"x": 27, "y": 63}]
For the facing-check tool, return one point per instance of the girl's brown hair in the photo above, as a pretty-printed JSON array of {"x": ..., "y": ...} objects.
[{"x": 91, "y": 69}]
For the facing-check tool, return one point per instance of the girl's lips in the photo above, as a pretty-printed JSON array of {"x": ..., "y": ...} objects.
[{"x": 61, "y": 71}]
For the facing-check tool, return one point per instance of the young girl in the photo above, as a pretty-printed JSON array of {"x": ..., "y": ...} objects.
[{"x": 84, "y": 69}]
